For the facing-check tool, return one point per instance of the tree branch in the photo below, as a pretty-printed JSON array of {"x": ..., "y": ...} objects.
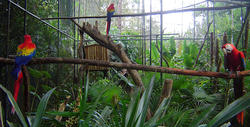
[
  {"x": 58, "y": 60},
  {"x": 204, "y": 40},
  {"x": 242, "y": 27},
  {"x": 157, "y": 47}
]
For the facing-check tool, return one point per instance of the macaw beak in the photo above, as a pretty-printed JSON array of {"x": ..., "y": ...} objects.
[{"x": 225, "y": 51}]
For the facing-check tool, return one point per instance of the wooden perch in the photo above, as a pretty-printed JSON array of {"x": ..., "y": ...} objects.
[
  {"x": 106, "y": 42},
  {"x": 57, "y": 60}
]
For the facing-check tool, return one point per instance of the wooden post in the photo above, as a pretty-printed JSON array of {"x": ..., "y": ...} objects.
[
  {"x": 26, "y": 88},
  {"x": 166, "y": 90}
]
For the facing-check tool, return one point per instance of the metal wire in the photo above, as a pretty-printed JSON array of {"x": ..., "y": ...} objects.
[
  {"x": 38, "y": 18},
  {"x": 161, "y": 37},
  {"x": 150, "y": 35},
  {"x": 152, "y": 13},
  {"x": 24, "y": 17}
]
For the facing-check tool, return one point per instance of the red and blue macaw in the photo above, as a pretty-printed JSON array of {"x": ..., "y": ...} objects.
[
  {"x": 110, "y": 13},
  {"x": 25, "y": 52},
  {"x": 234, "y": 62}
]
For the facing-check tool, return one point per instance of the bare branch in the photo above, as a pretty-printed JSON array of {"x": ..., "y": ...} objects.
[{"x": 57, "y": 60}]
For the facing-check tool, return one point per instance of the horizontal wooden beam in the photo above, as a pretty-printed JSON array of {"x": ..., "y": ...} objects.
[
  {"x": 152, "y": 13},
  {"x": 59, "y": 60}
]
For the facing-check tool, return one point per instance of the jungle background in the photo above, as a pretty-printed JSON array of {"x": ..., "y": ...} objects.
[{"x": 100, "y": 100}]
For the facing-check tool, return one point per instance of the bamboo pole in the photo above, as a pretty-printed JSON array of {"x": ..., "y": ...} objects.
[{"x": 60, "y": 60}]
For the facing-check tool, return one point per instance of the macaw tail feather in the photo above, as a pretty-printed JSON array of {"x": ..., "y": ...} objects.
[
  {"x": 16, "y": 88},
  {"x": 108, "y": 27},
  {"x": 238, "y": 92},
  {"x": 240, "y": 118}
]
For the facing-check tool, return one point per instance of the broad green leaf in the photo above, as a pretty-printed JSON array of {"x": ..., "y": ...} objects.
[
  {"x": 41, "y": 108},
  {"x": 1, "y": 114},
  {"x": 123, "y": 78},
  {"x": 145, "y": 100},
  {"x": 84, "y": 97},
  {"x": 101, "y": 119},
  {"x": 11, "y": 124},
  {"x": 14, "y": 104},
  {"x": 231, "y": 110},
  {"x": 132, "y": 108},
  {"x": 202, "y": 116},
  {"x": 93, "y": 106},
  {"x": 163, "y": 106}
]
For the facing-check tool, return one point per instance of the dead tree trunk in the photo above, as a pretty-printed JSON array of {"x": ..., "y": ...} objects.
[{"x": 106, "y": 41}]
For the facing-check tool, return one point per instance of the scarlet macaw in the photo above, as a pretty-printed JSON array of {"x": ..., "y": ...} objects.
[
  {"x": 110, "y": 13},
  {"x": 25, "y": 52},
  {"x": 234, "y": 62}
]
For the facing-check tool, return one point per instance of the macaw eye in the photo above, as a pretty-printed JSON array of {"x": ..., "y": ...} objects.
[{"x": 228, "y": 50}]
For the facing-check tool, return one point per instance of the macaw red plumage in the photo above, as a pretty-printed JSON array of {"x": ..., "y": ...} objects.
[
  {"x": 110, "y": 13},
  {"x": 234, "y": 62},
  {"x": 25, "y": 52}
]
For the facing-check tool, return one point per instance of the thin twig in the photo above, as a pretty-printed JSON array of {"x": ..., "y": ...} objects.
[
  {"x": 204, "y": 40},
  {"x": 165, "y": 60},
  {"x": 242, "y": 27}
]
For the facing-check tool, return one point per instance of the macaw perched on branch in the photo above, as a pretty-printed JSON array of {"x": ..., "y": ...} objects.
[
  {"x": 110, "y": 13},
  {"x": 234, "y": 62},
  {"x": 25, "y": 52}
]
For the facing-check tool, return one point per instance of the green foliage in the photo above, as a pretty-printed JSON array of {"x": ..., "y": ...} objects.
[
  {"x": 137, "y": 109},
  {"x": 39, "y": 74},
  {"x": 41, "y": 108},
  {"x": 172, "y": 47},
  {"x": 231, "y": 110},
  {"x": 1, "y": 114},
  {"x": 16, "y": 107},
  {"x": 36, "y": 122},
  {"x": 202, "y": 116},
  {"x": 189, "y": 55},
  {"x": 112, "y": 92}
]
